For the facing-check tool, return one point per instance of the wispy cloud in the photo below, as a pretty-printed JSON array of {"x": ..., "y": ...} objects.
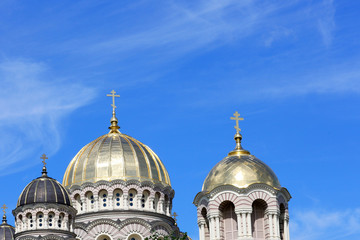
[
  {"x": 319, "y": 224},
  {"x": 326, "y": 21},
  {"x": 32, "y": 104}
]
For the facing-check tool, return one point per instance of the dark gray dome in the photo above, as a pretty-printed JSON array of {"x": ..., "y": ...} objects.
[
  {"x": 7, "y": 231},
  {"x": 44, "y": 190}
]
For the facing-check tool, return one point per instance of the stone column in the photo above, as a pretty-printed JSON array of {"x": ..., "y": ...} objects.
[
  {"x": 271, "y": 226},
  {"x": 138, "y": 202},
  {"x": 96, "y": 202},
  {"x": 126, "y": 204},
  {"x": 239, "y": 220},
  {"x": 151, "y": 204},
  {"x": 248, "y": 224},
  {"x": 83, "y": 204},
  {"x": 276, "y": 226},
  {"x": 217, "y": 219},
  {"x": 286, "y": 227},
  {"x": 161, "y": 206},
  {"x": 110, "y": 201},
  {"x": 201, "y": 225}
]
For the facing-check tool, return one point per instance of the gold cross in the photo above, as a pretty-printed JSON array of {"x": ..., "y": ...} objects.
[
  {"x": 4, "y": 208},
  {"x": 236, "y": 118},
  {"x": 44, "y": 157},
  {"x": 113, "y": 98},
  {"x": 174, "y": 216}
]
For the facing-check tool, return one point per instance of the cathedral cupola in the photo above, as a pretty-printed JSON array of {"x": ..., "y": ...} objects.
[
  {"x": 7, "y": 232},
  {"x": 119, "y": 184},
  {"x": 239, "y": 168},
  {"x": 242, "y": 198},
  {"x": 44, "y": 209}
]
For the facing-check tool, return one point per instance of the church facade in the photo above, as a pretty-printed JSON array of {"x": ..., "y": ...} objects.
[{"x": 117, "y": 188}]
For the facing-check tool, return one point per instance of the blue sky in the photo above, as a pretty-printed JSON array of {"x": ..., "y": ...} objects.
[{"x": 182, "y": 68}]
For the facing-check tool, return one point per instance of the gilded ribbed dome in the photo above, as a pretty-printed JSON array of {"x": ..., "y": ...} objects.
[
  {"x": 115, "y": 156},
  {"x": 240, "y": 168},
  {"x": 44, "y": 190}
]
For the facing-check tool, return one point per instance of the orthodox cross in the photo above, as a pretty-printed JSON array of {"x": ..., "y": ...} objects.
[
  {"x": 174, "y": 216},
  {"x": 113, "y": 98},
  {"x": 4, "y": 208},
  {"x": 236, "y": 118},
  {"x": 44, "y": 157}
]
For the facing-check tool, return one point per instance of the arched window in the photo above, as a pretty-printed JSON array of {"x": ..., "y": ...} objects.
[
  {"x": 103, "y": 198},
  {"x": 78, "y": 203},
  {"x": 281, "y": 221},
  {"x": 156, "y": 202},
  {"x": 132, "y": 198},
  {"x": 144, "y": 199},
  {"x": 90, "y": 201},
  {"x": 258, "y": 219},
  {"x": 229, "y": 220},
  {"x": 60, "y": 220},
  {"x": 51, "y": 218},
  {"x": 103, "y": 237},
  {"x": 117, "y": 198},
  {"x": 30, "y": 221},
  {"x": 134, "y": 236},
  {"x": 206, "y": 227}
]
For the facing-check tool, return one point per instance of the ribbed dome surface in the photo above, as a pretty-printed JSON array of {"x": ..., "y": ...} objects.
[
  {"x": 44, "y": 190},
  {"x": 7, "y": 232},
  {"x": 115, "y": 156},
  {"x": 240, "y": 171}
]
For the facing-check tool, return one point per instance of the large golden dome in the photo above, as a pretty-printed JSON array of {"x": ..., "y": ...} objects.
[
  {"x": 240, "y": 169},
  {"x": 115, "y": 156}
]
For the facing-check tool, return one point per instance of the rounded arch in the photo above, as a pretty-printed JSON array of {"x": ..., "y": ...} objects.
[
  {"x": 222, "y": 197},
  {"x": 135, "y": 225},
  {"x": 261, "y": 195},
  {"x": 102, "y": 227}
]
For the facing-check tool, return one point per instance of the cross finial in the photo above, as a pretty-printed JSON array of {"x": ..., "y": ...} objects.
[
  {"x": 113, "y": 99},
  {"x": 237, "y": 119},
  {"x": 44, "y": 157},
  {"x": 174, "y": 216},
  {"x": 4, "y": 207}
]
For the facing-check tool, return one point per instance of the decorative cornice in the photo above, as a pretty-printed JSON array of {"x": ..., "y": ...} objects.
[
  {"x": 160, "y": 186},
  {"x": 240, "y": 191},
  {"x": 46, "y": 206}
]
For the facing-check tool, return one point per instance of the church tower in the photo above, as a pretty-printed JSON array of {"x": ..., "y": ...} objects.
[
  {"x": 120, "y": 188},
  {"x": 44, "y": 210},
  {"x": 242, "y": 199}
]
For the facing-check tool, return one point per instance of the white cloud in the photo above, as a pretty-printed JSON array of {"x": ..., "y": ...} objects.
[
  {"x": 326, "y": 21},
  {"x": 319, "y": 224},
  {"x": 32, "y": 105}
]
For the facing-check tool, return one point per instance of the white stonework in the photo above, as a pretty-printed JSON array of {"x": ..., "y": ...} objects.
[
  {"x": 122, "y": 210},
  {"x": 228, "y": 212}
]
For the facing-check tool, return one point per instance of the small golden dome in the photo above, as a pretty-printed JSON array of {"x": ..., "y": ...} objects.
[
  {"x": 115, "y": 156},
  {"x": 240, "y": 168},
  {"x": 240, "y": 171}
]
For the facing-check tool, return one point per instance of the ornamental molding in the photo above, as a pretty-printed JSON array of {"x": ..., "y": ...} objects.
[
  {"x": 39, "y": 207},
  {"x": 125, "y": 184},
  {"x": 135, "y": 220},
  {"x": 97, "y": 222},
  {"x": 239, "y": 191},
  {"x": 156, "y": 224},
  {"x": 121, "y": 224}
]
